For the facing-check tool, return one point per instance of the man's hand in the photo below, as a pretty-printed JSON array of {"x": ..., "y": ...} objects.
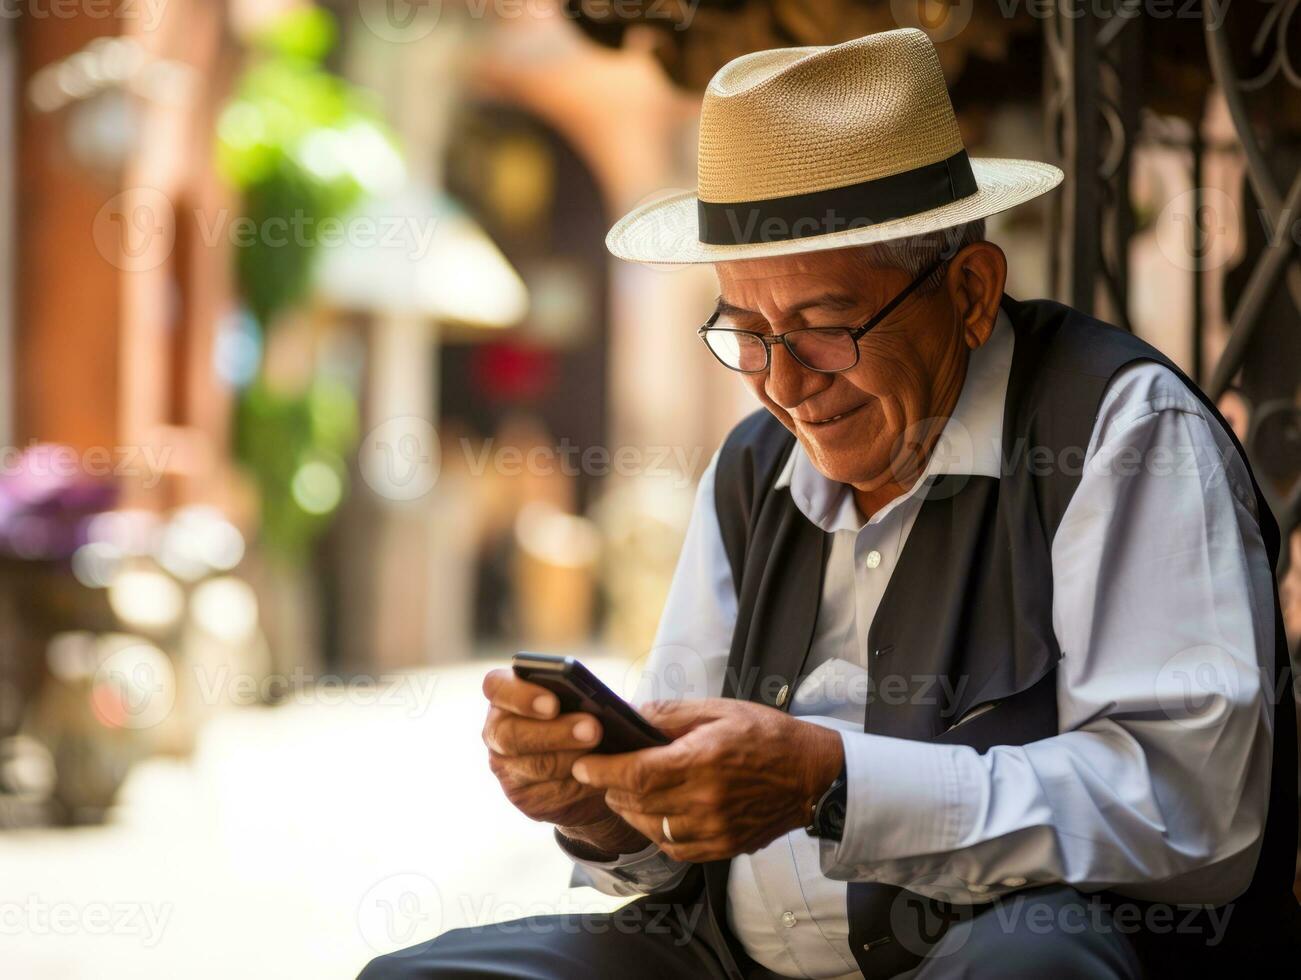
[
  {"x": 737, "y": 776},
  {"x": 531, "y": 751}
]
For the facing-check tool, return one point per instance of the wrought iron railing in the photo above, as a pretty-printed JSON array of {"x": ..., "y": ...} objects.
[{"x": 1094, "y": 107}]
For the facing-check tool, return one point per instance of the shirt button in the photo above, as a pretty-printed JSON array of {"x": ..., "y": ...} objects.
[
  {"x": 788, "y": 919},
  {"x": 873, "y": 558},
  {"x": 782, "y": 695},
  {"x": 978, "y": 889},
  {"x": 1014, "y": 882}
]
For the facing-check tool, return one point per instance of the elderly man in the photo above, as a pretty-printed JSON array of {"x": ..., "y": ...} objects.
[{"x": 974, "y": 646}]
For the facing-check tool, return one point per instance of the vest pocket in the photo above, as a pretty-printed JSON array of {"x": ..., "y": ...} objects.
[{"x": 974, "y": 713}]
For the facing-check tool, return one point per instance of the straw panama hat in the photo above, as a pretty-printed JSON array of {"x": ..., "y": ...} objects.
[{"x": 806, "y": 149}]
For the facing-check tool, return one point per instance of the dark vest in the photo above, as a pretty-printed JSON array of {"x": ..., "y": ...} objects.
[{"x": 969, "y": 605}]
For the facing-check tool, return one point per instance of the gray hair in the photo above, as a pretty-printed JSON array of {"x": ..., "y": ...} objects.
[{"x": 914, "y": 254}]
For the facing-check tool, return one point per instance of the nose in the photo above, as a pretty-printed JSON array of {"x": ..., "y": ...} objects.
[{"x": 789, "y": 382}]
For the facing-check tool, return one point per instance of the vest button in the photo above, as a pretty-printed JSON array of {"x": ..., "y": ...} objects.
[
  {"x": 873, "y": 559},
  {"x": 783, "y": 694},
  {"x": 788, "y": 920}
]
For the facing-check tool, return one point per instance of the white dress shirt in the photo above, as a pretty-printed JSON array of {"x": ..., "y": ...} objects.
[{"x": 1156, "y": 785}]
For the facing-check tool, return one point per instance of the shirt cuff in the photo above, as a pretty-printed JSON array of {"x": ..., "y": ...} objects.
[
  {"x": 904, "y": 798},
  {"x": 644, "y": 871}
]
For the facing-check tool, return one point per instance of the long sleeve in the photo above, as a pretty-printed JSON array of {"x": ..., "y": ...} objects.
[
  {"x": 688, "y": 660},
  {"x": 1158, "y": 781}
]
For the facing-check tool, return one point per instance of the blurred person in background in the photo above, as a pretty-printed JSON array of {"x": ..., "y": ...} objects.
[{"x": 989, "y": 677}]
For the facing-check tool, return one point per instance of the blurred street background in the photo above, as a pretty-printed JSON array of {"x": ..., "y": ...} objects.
[{"x": 321, "y": 396}]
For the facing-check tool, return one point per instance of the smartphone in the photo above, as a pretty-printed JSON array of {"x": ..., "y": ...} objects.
[{"x": 622, "y": 728}]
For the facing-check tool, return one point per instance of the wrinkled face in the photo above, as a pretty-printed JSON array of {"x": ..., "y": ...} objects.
[{"x": 856, "y": 426}]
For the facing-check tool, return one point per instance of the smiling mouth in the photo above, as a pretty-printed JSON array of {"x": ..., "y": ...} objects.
[{"x": 836, "y": 418}]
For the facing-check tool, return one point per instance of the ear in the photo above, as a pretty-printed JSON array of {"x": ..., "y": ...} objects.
[{"x": 975, "y": 281}]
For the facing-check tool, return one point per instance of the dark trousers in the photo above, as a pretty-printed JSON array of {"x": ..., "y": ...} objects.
[{"x": 646, "y": 940}]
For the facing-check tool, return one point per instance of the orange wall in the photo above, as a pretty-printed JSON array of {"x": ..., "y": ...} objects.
[{"x": 113, "y": 347}]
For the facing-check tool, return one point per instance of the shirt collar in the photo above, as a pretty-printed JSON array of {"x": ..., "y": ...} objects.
[{"x": 971, "y": 443}]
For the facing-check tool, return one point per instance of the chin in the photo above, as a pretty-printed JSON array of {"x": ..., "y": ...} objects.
[{"x": 836, "y": 464}]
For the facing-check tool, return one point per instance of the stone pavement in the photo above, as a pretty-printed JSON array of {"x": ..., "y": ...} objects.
[{"x": 296, "y": 843}]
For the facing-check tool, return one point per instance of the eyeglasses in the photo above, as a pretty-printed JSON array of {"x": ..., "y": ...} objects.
[{"x": 826, "y": 349}]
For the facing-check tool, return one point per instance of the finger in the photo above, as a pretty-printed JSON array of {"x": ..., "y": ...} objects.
[
  {"x": 505, "y": 690},
  {"x": 544, "y": 767},
  {"x": 549, "y": 802},
  {"x": 650, "y": 827},
  {"x": 696, "y": 852},
  {"x": 694, "y": 840},
  {"x": 638, "y": 772},
  {"x": 675, "y": 800},
  {"x": 684, "y": 828},
  {"x": 512, "y": 735}
]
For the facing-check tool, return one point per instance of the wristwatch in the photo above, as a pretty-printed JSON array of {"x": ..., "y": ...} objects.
[{"x": 828, "y": 820}]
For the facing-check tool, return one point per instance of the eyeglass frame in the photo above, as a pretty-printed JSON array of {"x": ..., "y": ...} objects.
[{"x": 769, "y": 340}]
